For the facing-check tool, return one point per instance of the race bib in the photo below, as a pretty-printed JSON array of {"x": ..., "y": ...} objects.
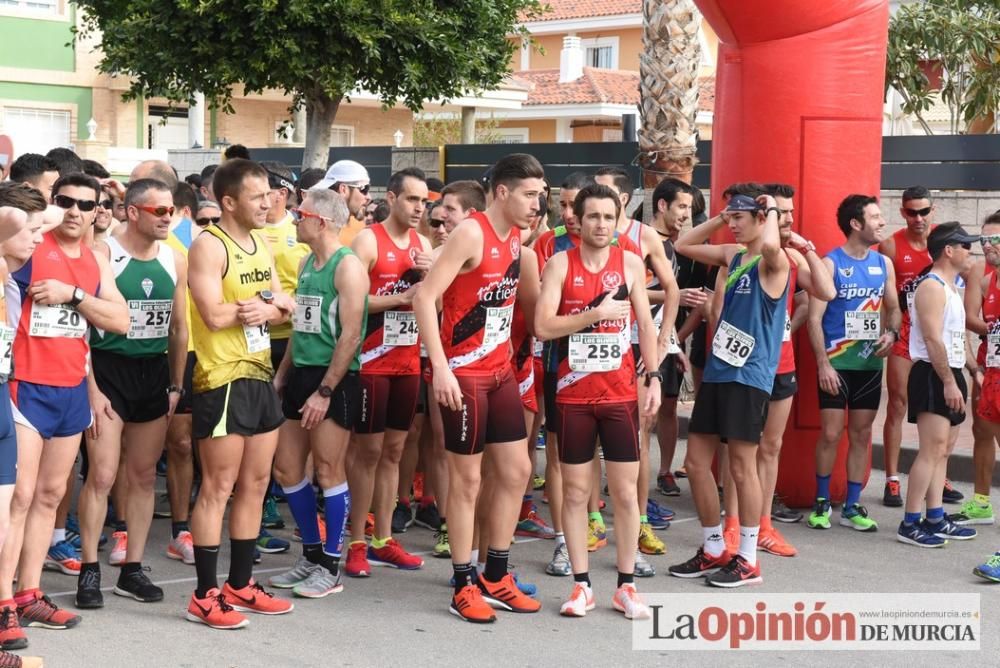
[
  {"x": 861, "y": 325},
  {"x": 6, "y": 349},
  {"x": 993, "y": 350},
  {"x": 306, "y": 318},
  {"x": 57, "y": 320},
  {"x": 149, "y": 319},
  {"x": 399, "y": 328},
  {"x": 787, "y": 335},
  {"x": 732, "y": 345},
  {"x": 497, "y": 327},
  {"x": 258, "y": 337},
  {"x": 910, "y": 296},
  {"x": 956, "y": 349},
  {"x": 538, "y": 348},
  {"x": 595, "y": 352}
]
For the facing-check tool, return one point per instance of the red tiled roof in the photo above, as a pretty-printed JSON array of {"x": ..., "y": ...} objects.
[
  {"x": 580, "y": 9},
  {"x": 597, "y": 86}
]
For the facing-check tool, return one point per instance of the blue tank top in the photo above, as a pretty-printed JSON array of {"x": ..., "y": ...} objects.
[
  {"x": 747, "y": 341},
  {"x": 860, "y": 286}
]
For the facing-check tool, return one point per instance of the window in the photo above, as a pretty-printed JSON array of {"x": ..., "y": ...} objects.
[
  {"x": 167, "y": 128},
  {"x": 510, "y": 136},
  {"x": 342, "y": 135},
  {"x": 37, "y": 130},
  {"x": 50, "y": 7},
  {"x": 600, "y": 52}
]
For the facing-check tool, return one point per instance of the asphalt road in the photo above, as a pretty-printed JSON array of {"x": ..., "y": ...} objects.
[{"x": 400, "y": 618}]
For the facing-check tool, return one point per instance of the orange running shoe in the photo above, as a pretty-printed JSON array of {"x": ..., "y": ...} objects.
[
  {"x": 468, "y": 604},
  {"x": 505, "y": 595},
  {"x": 254, "y": 598},
  {"x": 214, "y": 611},
  {"x": 771, "y": 541},
  {"x": 40, "y": 612}
]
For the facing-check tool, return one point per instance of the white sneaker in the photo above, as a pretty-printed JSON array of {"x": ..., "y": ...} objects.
[
  {"x": 182, "y": 548},
  {"x": 580, "y": 601},
  {"x": 117, "y": 556},
  {"x": 643, "y": 569},
  {"x": 627, "y": 600}
]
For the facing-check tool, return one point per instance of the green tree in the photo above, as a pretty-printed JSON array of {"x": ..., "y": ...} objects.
[
  {"x": 319, "y": 51},
  {"x": 958, "y": 40}
]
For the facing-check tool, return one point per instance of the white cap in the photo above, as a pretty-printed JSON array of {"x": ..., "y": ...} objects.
[{"x": 344, "y": 171}]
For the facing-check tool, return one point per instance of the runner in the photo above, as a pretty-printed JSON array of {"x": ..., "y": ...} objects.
[
  {"x": 936, "y": 388},
  {"x": 476, "y": 278},
  {"x": 350, "y": 180},
  {"x": 850, "y": 336},
  {"x": 732, "y": 401},
  {"x": 321, "y": 388},
  {"x": 141, "y": 376},
  {"x": 62, "y": 290},
  {"x": 37, "y": 171},
  {"x": 236, "y": 412},
  {"x": 587, "y": 296}
]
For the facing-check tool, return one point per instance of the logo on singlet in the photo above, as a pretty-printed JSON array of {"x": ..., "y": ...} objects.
[
  {"x": 515, "y": 248},
  {"x": 147, "y": 286},
  {"x": 743, "y": 285},
  {"x": 610, "y": 280},
  {"x": 846, "y": 272},
  {"x": 578, "y": 281},
  {"x": 255, "y": 276}
]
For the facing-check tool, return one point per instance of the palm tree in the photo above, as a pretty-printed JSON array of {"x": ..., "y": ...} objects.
[{"x": 668, "y": 87}]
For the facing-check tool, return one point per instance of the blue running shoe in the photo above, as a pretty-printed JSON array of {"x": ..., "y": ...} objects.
[
  {"x": 947, "y": 529},
  {"x": 657, "y": 523},
  {"x": 270, "y": 544},
  {"x": 73, "y": 533},
  {"x": 915, "y": 535},
  {"x": 654, "y": 508},
  {"x": 526, "y": 588},
  {"x": 990, "y": 570}
]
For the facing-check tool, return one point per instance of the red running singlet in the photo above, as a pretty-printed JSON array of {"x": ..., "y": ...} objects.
[
  {"x": 991, "y": 314},
  {"x": 786, "y": 363}
]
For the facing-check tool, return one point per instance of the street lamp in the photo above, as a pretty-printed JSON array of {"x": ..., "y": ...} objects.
[
  {"x": 92, "y": 128},
  {"x": 398, "y": 136}
]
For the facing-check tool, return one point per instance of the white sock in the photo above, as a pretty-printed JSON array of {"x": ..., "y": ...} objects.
[
  {"x": 748, "y": 544},
  {"x": 560, "y": 539},
  {"x": 480, "y": 567},
  {"x": 474, "y": 556},
  {"x": 892, "y": 478},
  {"x": 714, "y": 544},
  {"x": 58, "y": 535}
]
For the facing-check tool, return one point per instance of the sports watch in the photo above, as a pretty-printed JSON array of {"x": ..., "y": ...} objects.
[
  {"x": 650, "y": 375},
  {"x": 325, "y": 391},
  {"x": 266, "y": 296},
  {"x": 78, "y": 296}
]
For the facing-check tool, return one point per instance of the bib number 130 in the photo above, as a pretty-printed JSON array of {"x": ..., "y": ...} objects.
[{"x": 732, "y": 345}]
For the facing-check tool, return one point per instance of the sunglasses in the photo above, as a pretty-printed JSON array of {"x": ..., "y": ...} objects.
[
  {"x": 205, "y": 221},
  {"x": 158, "y": 211},
  {"x": 913, "y": 213},
  {"x": 362, "y": 189},
  {"x": 308, "y": 214},
  {"x": 966, "y": 246},
  {"x": 435, "y": 223},
  {"x": 106, "y": 204},
  {"x": 67, "y": 202}
]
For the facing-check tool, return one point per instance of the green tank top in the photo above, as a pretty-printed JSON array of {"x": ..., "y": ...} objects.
[
  {"x": 316, "y": 324},
  {"x": 148, "y": 289}
]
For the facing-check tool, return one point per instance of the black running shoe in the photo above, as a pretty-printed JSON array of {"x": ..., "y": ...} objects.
[
  {"x": 428, "y": 517},
  {"x": 136, "y": 585},
  {"x": 951, "y": 495},
  {"x": 736, "y": 573},
  {"x": 402, "y": 518},
  {"x": 782, "y": 513},
  {"x": 891, "y": 497},
  {"x": 88, "y": 589}
]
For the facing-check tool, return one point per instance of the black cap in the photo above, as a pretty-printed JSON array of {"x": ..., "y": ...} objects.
[
  {"x": 947, "y": 234},
  {"x": 275, "y": 181}
]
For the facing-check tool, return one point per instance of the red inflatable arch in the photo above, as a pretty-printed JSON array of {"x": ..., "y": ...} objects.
[{"x": 799, "y": 90}]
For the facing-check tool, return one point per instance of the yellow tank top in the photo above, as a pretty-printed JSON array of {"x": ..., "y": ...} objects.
[
  {"x": 179, "y": 246},
  {"x": 287, "y": 252},
  {"x": 235, "y": 352}
]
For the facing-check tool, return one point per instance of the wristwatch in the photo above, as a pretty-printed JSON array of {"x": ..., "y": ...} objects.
[
  {"x": 266, "y": 296},
  {"x": 807, "y": 247},
  {"x": 769, "y": 209},
  {"x": 650, "y": 375},
  {"x": 78, "y": 296},
  {"x": 325, "y": 391},
  {"x": 894, "y": 332},
  {"x": 175, "y": 388}
]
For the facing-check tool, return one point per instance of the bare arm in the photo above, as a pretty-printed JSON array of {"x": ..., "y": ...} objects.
[
  {"x": 528, "y": 286},
  {"x": 177, "y": 341},
  {"x": 800, "y": 311},
  {"x": 827, "y": 377},
  {"x": 812, "y": 274},
  {"x": 206, "y": 265},
  {"x": 774, "y": 265},
  {"x": 975, "y": 287},
  {"x": 549, "y": 325},
  {"x": 890, "y": 312},
  {"x": 106, "y": 310},
  {"x": 664, "y": 273},
  {"x": 692, "y": 243}
]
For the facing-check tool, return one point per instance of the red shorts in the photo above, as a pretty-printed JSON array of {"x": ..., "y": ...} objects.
[
  {"x": 491, "y": 413},
  {"x": 616, "y": 424},
  {"x": 988, "y": 407},
  {"x": 525, "y": 377},
  {"x": 387, "y": 402},
  {"x": 902, "y": 346}
]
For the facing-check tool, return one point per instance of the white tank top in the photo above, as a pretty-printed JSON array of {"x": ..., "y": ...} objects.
[{"x": 953, "y": 335}]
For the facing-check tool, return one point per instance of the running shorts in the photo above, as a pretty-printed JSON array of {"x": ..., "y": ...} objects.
[{"x": 616, "y": 424}]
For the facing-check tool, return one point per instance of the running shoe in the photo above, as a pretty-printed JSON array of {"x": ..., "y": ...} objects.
[
  {"x": 537, "y": 482},
  {"x": 597, "y": 537},
  {"x": 947, "y": 529},
  {"x": 505, "y": 595},
  {"x": 771, "y": 541},
  {"x": 643, "y": 569},
  {"x": 654, "y": 508},
  {"x": 137, "y": 585},
  {"x": 915, "y": 535},
  {"x": 11, "y": 634},
  {"x": 73, "y": 533},
  {"x": 214, "y": 611},
  {"x": 117, "y": 556},
  {"x": 298, "y": 574},
  {"x": 951, "y": 495},
  {"x": 736, "y": 573},
  {"x": 989, "y": 570},
  {"x": 819, "y": 518},
  {"x": 856, "y": 517},
  {"x": 402, "y": 517},
  {"x": 428, "y": 517},
  {"x": 42, "y": 613},
  {"x": 627, "y": 601},
  {"x": 442, "y": 548},
  {"x": 525, "y": 588},
  {"x": 973, "y": 513},
  {"x": 666, "y": 485},
  {"x": 468, "y": 604},
  {"x": 257, "y": 558},
  {"x": 8, "y": 660},
  {"x": 319, "y": 584},
  {"x": 534, "y": 526},
  {"x": 271, "y": 517},
  {"x": 892, "y": 496},
  {"x": 64, "y": 558},
  {"x": 297, "y": 534},
  {"x": 559, "y": 564},
  {"x": 680, "y": 473},
  {"x": 657, "y": 523},
  {"x": 182, "y": 548},
  {"x": 269, "y": 544},
  {"x": 254, "y": 598},
  {"x": 540, "y": 439},
  {"x": 395, "y": 556},
  {"x": 357, "y": 561},
  {"x": 731, "y": 536},
  {"x": 161, "y": 508},
  {"x": 579, "y": 603},
  {"x": 782, "y": 513},
  {"x": 88, "y": 590},
  {"x": 648, "y": 542},
  {"x": 700, "y": 565}
]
